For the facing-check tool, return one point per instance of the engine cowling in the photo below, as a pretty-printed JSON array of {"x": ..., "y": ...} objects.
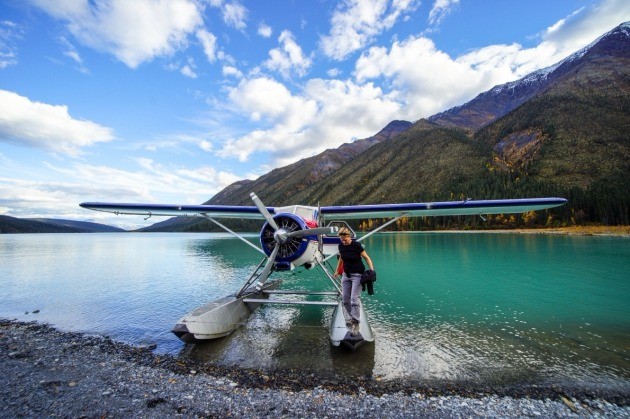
[{"x": 293, "y": 251}]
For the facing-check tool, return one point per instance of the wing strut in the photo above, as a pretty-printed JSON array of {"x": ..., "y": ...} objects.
[
  {"x": 251, "y": 279},
  {"x": 376, "y": 230},
  {"x": 233, "y": 233}
]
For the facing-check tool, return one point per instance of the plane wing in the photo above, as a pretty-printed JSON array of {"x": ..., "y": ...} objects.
[
  {"x": 432, "y": 209},
  {"x": 420, "y": 209},
  {"x": 214, "y": 211}
]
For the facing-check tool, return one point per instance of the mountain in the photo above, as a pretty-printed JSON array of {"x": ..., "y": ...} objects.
[
  {"x": 280, "y": 185},
  {"x": 562, "y": 131},
  {"x": 502, "y": 99},
  {"x": 47, "y": 225}
]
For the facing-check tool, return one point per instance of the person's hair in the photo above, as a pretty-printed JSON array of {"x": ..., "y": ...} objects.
[{"x": 344, "y": 231}]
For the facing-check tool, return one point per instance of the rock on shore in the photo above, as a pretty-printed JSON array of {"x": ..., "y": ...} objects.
[{"x": 46, "y": 372}]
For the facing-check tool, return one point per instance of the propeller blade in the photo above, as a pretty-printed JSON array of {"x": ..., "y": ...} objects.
[
  {"x": 263, "y": 210},
  {"x": 267, "y": 269},
  {"x": 313, "y": 231}
]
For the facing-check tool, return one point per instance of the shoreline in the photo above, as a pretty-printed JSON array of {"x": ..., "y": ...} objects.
[
  {"x": 596, "y": 230},
  {"x": 45, "y": 371},
  {"x": 607, "y": 231}
]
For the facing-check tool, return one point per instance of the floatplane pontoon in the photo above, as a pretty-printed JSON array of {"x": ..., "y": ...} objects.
[{"x": 295, "y": 236}]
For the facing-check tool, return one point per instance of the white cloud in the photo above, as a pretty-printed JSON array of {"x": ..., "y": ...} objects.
[
  {"x": 150, "y": 182},
  {"x": 264, "y": 30},
  {"x": 209, "y": 42},
  {"x": 188, "y": 69},
  {"x": 205, "y": 145},
  {"x": 235, "y": 14},
  {"x": 261, "y": 97},
  {"x": 440, "y": 9},
  {"x": 424, "y": 80},
  {"x": 188, "y": 72},
  {"x": 49, "y": 127},
  {"x": 10, "y": 33},
  {"x": 264, "y": 98},
  {"x": 346, "y": 110},
  {"x": 334, "y": 72},
  {"x": 584, "y": 26},
  {"x": 356, "y": 23},
  {"x": 325, "y": 115},
  {"x": 72, "y": 53},
  {"x": 228, "y": 70},
  {"x": 133, "y": 31},
  {"x": 288, "y": 58},
  {"x": 171, "y": 144},
  {"x": 510, "y": 62}
]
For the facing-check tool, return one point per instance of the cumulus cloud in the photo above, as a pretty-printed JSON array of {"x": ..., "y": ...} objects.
[
  {"x": 355, "y": 24},
  {"x": 49, "y": 127},
  {"x": 327, "y": 113},
  {"x": 289, "y": 58},
  {"x": 261, "y": 97},
  {"x": 133, "y": 31},
  {"x": 426, "y": 80}
]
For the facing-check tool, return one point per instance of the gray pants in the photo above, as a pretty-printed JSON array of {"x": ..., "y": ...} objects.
[{"x": 351, "y": 291}]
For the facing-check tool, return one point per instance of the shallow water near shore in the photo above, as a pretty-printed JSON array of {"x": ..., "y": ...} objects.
[{"x": 484, "y": 308}]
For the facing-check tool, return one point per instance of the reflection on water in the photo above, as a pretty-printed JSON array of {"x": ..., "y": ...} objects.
[
  {"x": 286, "y": 338},
  {"x": 488, "y": 308}
]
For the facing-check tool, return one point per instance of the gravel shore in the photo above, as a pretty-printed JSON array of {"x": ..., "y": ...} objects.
[{"x": 48, "y": 373}]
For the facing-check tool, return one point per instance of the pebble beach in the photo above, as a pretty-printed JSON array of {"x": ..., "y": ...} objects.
[{"x": 45, "y": 372}]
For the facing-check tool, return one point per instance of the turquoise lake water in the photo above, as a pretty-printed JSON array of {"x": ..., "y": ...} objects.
[{"x": 480, "y": 307}]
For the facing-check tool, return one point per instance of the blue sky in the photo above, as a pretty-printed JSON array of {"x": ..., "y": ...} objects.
[{"x": 169, "y": 101}]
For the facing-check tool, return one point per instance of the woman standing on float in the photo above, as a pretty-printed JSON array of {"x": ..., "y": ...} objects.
[{"x": 351, "y": 267}]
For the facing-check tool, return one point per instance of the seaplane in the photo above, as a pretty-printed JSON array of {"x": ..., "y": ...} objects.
[{"x": 301, "y": 236}]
